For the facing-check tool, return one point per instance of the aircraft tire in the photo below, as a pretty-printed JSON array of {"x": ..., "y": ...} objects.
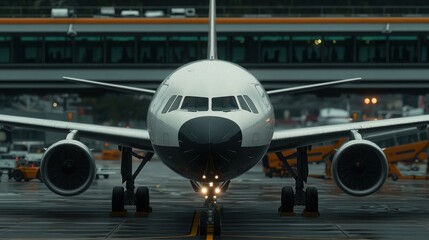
[
  {"x": 142, "y": 200},
  {"x": 202, "y": 227},
  {"x": 118, "y": 199},
  {"x": 311, "y": 200},
  {"x": 18, "y": 175},
  {"x": 217, "y": 223},
  {"x": 287, "y": 200}
]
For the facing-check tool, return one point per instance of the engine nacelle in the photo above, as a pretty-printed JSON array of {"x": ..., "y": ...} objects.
[
  {"x": 359, "y": 167},
  {"x": 68, "y": 168}
]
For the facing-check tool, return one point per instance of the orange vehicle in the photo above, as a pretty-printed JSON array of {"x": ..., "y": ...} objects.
[
  {"x": 110, "y": 152},
  {"x": 272, "y": 166},
  {"x": 407, "y": 146},
  {"x": 27, "y": 171}
]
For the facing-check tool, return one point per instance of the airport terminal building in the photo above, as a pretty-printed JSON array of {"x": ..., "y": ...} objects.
[
  {"x": 202, "y": 133},
  {"x": 386, "y": 46}
]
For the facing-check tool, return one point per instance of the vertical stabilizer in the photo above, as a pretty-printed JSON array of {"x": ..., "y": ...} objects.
[{"x": 212, "y": 47}]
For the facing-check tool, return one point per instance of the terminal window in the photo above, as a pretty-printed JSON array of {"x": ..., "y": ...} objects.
[
  {"x": 152, "y": 49},
  {"x": 58, "y": 49},
  {"x": 120, "y": 49},
  {"x": 89, "y": 49},
  {"x": 4, "y": 49},
  {"x": 28, "y": 49}
]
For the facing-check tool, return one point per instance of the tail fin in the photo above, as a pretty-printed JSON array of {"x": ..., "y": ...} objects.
[{"x": 212, "y": 46}]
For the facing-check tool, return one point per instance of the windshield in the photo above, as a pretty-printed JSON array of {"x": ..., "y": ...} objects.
[
  {"x": 194, "y": 104},
  {"x": 225, "y": 104},
  {"x": 36, "y": 149},
  {"x": 19, "y": 147}
]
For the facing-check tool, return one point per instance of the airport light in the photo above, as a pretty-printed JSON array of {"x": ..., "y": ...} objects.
[
  {"x": 70, "y": 116},
  {"x": 372, "y": 100},
  {"x": 367, "y": 101},
  {"x": 318, "y": 41}
]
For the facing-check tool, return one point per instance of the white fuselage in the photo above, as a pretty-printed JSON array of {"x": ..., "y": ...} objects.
[{"x": 196, "y": 132}]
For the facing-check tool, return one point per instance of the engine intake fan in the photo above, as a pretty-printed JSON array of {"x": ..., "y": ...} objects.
[
  {"x": 68, "y": 168},
  {"x": 359, "y": 167}
]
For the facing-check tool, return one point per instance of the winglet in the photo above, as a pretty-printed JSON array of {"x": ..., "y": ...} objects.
[
  {"x": 212, "y": 46},
  {"x": 311, "y": 87}
]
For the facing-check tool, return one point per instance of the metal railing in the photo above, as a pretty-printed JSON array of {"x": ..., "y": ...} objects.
[{"x": 222, "y": 11}]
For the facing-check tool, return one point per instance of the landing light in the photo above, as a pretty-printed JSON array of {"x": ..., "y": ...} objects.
[
  {"x": 217, "y": 190},
  {"x": 216, "y": 177},
  {"x": 204, "y": 190},
  {"x": 204, "y": 177},
  {"x": 211, "y": 184}
]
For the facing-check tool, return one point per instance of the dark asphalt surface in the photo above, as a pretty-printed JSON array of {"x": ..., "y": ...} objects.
[{"x": 28, "y": 210}]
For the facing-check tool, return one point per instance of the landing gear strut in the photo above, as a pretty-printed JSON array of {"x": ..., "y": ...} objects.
[
  {"x": 127, "y": 196},
  {"x": 210, "y": 223},
  {"x": 307, "y": 198}
]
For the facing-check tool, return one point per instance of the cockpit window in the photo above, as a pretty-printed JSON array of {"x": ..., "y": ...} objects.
[
  {"x": 264, "y": 96},
  {"x": 225, "y": 104},
  {"x": 194, "y": 104},
  {"x": 176, "y": 103},
  {"x": 168, "y": 105},
  {"x": 243, "y": 103},
  {"x": 251, "y": 104},
  {"x": 172, "y": 104}
]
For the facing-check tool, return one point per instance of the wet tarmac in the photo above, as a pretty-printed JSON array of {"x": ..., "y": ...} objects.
[{"x": 28, "y": 210}]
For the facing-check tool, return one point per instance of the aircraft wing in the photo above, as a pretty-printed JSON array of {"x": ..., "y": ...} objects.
[
  {"x": 312, "y": 87},
  {"x": 110, "y": 86},
  {"x": 137, "y": 138},
  {"x": 292, "y": 138}
]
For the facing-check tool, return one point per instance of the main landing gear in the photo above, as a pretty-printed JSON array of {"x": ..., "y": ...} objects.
[
  {"x": 121, "y": 196},
  {"x": 299, "y": 197},
  {"x": 210, "y": 223}
]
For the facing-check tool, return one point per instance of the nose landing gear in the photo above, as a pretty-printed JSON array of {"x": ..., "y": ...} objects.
[{"x": 210, "y": 222}]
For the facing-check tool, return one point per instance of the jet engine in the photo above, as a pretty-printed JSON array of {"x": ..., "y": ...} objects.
[
  {"x": 359, "y": 167},
  {"x": 68, "y": 168}
]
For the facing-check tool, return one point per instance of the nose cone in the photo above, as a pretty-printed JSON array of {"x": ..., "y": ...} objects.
[{"x": 210, "y": 144}]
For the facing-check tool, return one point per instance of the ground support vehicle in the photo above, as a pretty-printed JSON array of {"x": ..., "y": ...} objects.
[
  {"x": 27, "y": 171},
  {"x": 272, "y": 166},
  {"x": 7, "y": 164}
]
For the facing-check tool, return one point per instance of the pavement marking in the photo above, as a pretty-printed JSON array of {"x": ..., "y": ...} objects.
[
  {"x": 195, "y": 223},
  {"x": 210, "y": 230}
]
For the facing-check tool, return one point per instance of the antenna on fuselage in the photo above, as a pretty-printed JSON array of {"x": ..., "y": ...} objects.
[{"x": 212, "y": 47}]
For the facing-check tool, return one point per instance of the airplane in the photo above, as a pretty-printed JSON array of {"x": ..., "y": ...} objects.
[{"x": 210, "y": 121}]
